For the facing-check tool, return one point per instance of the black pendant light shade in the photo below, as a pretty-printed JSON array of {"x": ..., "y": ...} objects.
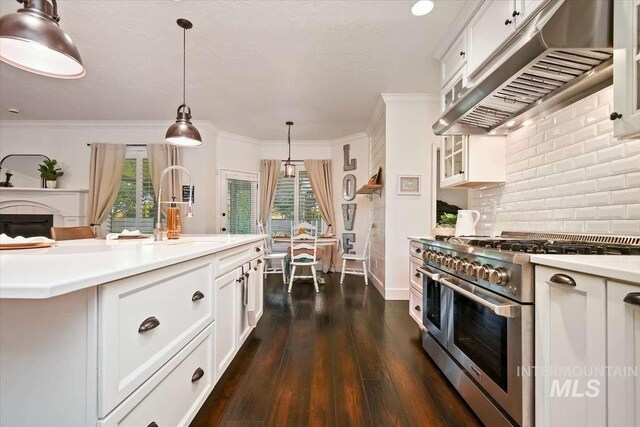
[
  {"x": 183, "y": 132},
  {"x": 289, "y": 168},
  {"x": 32, "y": 40}
]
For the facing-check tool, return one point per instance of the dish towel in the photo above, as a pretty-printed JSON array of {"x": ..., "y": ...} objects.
[
  {"x": 7, "y": 240},
  {"x": 125, "y": 232}
]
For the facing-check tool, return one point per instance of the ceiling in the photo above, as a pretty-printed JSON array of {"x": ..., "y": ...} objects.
[{"x": 251, "y": 65}]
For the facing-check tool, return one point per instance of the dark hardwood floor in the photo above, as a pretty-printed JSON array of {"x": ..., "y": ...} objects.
[{"x": 342, "y": 357}]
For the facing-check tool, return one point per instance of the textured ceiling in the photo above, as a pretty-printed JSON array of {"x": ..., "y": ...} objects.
[{"x": 251, "y": 65}]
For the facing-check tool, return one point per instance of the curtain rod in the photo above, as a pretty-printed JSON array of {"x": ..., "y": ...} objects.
[{"x": 128, "y": 145}]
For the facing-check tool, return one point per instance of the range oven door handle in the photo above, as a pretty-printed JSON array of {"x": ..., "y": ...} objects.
[
  {"x": 504, "y": 310},
  {"x": 433, "y": 276}
]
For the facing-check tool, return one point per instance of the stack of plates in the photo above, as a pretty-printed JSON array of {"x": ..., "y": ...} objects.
[{"x": 20, "y": 242}]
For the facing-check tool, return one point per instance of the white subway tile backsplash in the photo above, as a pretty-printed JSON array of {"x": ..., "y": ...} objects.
[
  {"x": 585, "y": 133},
  {"x": 598, "y": 226},
  {"x": 616, "y": 182},
  {"x": 567, "y": 173},
  {"x": 611, "y": 153},
  {"x": 625, "y": 227},
  {"x": 631, "y": 195},
  {"x": 597, "y": 199},
  {"x": 585, "y": 160},
  {"x": 629, "y": 164},
  {"x": 612, "y": 212}
]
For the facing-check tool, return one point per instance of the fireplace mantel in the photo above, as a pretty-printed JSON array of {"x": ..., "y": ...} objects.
[{"x": 67, "y": 205}]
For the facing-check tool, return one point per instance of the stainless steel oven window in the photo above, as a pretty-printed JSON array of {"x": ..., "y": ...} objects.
[
  {"x": 432, "y": 311},
  {"x": 482, "y": 336}
]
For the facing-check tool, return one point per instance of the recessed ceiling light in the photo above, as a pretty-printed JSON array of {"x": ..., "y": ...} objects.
[
  {"x": 422, "y": 7},
  {"x": 511, "y": 123},
  {"x": 13, "y": 110}
]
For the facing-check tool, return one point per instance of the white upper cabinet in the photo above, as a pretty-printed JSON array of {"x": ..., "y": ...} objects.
[
  {"x": 626, "y": 69},
  {"x": 454, "y": 59},
  {"x": 488, "y": 29},
  {"x": 471, "y": 161},
  {"x": 525, "y": 8}
]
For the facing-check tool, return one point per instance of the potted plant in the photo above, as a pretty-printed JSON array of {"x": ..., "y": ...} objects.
[
  {"x": 446, "y": 226},
  {"x": 50, "y": 173}
]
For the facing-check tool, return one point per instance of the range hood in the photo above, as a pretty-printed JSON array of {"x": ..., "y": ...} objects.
[{"x": 559, "y": 56}]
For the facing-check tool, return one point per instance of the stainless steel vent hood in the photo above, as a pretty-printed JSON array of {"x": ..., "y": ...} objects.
[{"x": 558, "y": 57}]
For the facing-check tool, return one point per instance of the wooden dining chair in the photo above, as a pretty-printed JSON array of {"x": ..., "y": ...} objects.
[
  {"x": 72, "y": 233},
  {"x": 304, "y": 251},
  {"x": 357, "y": 258},
  {"x": 273, "y": 256}
]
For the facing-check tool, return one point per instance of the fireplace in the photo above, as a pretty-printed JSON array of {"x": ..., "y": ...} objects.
[{"x": 26, "y": 225}]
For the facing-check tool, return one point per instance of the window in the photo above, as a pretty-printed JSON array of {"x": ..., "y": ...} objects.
[
  {"x": 240, "y": 202},
  {"x": 294, "y": 203},
  {"x": 135, "y": 205}
]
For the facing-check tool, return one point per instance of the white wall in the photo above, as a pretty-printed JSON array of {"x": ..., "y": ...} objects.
[
  {"x": 409, "y": 141},
  {"x": 67, "y": 142},
  {"x": 566, "y": 173}
]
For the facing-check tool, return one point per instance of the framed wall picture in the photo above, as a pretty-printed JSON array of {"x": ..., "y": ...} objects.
[{"x": 409, "y": 185}]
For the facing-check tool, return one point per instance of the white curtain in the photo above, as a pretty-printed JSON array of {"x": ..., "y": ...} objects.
[
  {"x": 105, "y": 174},
  {"x": 269, "y": 172},
  {"x": 160, "y": 157}
]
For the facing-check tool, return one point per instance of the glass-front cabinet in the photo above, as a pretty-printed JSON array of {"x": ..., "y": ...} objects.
[
  {"x": 626, "y": 69},
  {"x": 453, "y": 155}
]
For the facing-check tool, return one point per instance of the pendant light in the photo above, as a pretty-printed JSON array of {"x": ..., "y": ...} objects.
[
  {"x": 32, "y": 40},
  {"x": 182, "y": 132},
  {"x": 289, "y": 168}
]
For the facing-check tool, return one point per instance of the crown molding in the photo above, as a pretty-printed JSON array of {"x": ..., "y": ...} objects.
[
  {"x": 348, "y": 138},
  {"x": 237, "y": 137}
]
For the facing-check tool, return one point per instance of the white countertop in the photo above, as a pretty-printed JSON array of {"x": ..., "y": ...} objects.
[
  {"x": 618, "y": 267},
  {"x": 77, "y": 264}
]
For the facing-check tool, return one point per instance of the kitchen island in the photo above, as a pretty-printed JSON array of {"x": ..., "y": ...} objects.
[{"x": 107, "y": 332}]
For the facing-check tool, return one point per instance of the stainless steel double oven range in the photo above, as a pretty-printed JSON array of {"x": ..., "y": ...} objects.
[{"x": 479, "y": 327}]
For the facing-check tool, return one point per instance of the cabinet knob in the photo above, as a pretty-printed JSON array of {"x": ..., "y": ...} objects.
[
  {"x": 258, "y": 249},
  {"x": 153, "y": 424},
  {"x": 259, "y": 261},
  {"x": 462, "y": 53},
  {"x": 199, "y": 373},
  {"x": 148, "y": 324},
  {"x": 632, "y": 298},
  {"x": 416, "y": 308},
  {"x": 615, "y": 116},
  {"x": 515, "y": 13},
  {"x": 508, "y": 22},
  {"x": 418, "y": 250},
  {"x": 224, "y": 228},
  {"x": 197, "y": 295},
  {"x": 461, "y": 172},
  {"x": 417, "y": 274}
]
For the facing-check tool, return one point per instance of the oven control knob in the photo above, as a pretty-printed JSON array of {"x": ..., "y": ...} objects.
[
  {"x": 448, "y": 260},
  {"x": 455, "y": 262},
  {"x": 498, "y": 276},
  {"x": 439, "y": 258},
  {"x": 462, "y": 265},
  {"x": 472, "y": 268},
  {"x": 483, "y": 271}
]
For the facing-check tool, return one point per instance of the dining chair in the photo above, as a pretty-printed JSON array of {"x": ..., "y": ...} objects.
[
  {"x": 274, "y": 256},
  {"x": 304, "y": 251},
  {"x": 357, "y": 258},
  {"x": 72, "y": 233}
]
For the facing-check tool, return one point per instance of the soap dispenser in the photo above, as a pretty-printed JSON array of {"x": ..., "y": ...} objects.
[{"x": 173, "y": 221}]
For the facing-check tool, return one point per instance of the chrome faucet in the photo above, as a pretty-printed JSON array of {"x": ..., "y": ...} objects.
[{"x": 157, "y": 232}]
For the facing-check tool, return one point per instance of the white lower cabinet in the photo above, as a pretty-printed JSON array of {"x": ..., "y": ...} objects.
[
  {"x": 415, "y": 305},
  {"x": 243, "y": 288},
  {"x": 226, "y": 314},
  {"x": 416, "y": 249},
  {"x": 623, "y": 351},
  {"x": 587, "y": 350},
  {"x": 173, "y": 395}
]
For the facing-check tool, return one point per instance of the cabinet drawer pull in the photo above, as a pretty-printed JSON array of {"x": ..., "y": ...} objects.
[
  {"x": 615, "y": 116},
  {"x": 148, "y": 324},
  {"x": 462, "y": 53},
  {"x": 197, "y": 295},
  {"x": 153, "y": 424},
  {"x": 632, "y": 298},
  {"x": 417, "y": 275},
  {"x": 561, "y": 279},
  {"x": 508, "y": 21},
  {"x": 515, "y": 13},
  {"x": 258, "y": 249},
  {"x": 259, "y": 261},
  {"x": 418, "y": 250},
  {"x": 199, "y": 373},
  {"x": 416, "y": 308}
]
